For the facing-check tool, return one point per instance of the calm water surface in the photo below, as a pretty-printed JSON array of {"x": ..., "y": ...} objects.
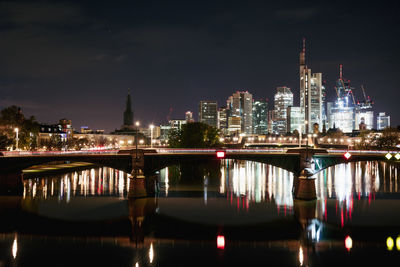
[{"x": 237, "y": 213}]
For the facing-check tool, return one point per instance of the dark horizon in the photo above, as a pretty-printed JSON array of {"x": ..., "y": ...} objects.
[{"x": 76, "y": 60}]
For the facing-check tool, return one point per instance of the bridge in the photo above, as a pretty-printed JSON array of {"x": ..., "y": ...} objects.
[{"x": 302, "y": 162}]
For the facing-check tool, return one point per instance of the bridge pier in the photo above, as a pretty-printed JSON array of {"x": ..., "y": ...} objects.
[
  {"x": 137, "y": 162},
  {"x": 304, "y": 183},
  {"x": 304, "y": 188}
]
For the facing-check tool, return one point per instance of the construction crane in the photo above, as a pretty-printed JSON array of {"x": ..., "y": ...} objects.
[
  {"x": 367, "y": 103},
  {"x": 349, "y": 91},
  {"x": 363, "y": 90}
]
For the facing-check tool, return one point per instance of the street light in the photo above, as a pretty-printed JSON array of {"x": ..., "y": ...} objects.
[
  {"x": 306, "y": 131},
  {"x": 151, "y": 135},
  {"x": 314, "y": 139},
  {"x": 306, "y": 126},
  {"x": 136, "y": 139},
  {"x": 16, "y": 138},
  {"x": 300, "y": 136}
]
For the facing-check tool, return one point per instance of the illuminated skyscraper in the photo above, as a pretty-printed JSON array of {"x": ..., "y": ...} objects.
[
  {"x": 208, "y": 113},
  {"x": 295, "y": 119},
  {"x": 312, "y": 93},
  {"x": 364, "y": 112},
  {"x": 342, "y": 113},
  {"x": 223, "y": 120},
  {"x": 283, "y": 99},
  {"x": 240, "y": 105},
  {"x": 260, "y": 116},
  {"x": 382, "y": 121}
]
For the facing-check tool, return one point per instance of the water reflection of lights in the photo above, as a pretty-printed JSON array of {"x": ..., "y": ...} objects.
[
  {"x": 389, "y": 243},
  {"x": 344, "y": 182},
  {"x": 205, "y": 181},
  {"x": 151, "y": 253},
  {"x": 14, "y": 249},
  {"x": 97, "y": 181},
  {"x": 301, "y": 256},
  {"x": 314, "y": 230},
  {"x": 221, "y": 242},
  {"x": 348, "y": 243},
  {"x": 257, "y": 182},
  {"x": 164, "y": 178}
]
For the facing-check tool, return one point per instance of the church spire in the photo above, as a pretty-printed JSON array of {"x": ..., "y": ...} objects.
[{"x": 128, "y": 114}]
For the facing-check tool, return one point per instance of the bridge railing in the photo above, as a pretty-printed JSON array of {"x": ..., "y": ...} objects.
[
  {"x": 50, "y": 153},
  {"x": 204, "y": 151},
  {"x": 366, "y": 152}
]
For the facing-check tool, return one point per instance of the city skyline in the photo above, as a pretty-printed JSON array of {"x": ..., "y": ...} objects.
[{"x": 74, "y": 60}]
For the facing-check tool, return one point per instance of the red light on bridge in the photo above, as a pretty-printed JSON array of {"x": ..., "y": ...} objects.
[
  {"x": 220, "y": 154},
  {"x": 347, "y": 155},
  {"x": 220, "y": 242}
]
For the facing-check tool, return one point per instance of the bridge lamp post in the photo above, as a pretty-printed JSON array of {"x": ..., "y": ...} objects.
[
  {"x": 300, "y": 135},
  {"x": 136, "y": 138},
  {"x": 16, "y": 138},
  {"x": 151, "y": 135},
  {"x": 307, "y": 136},
  {"x": 314, "y": 138}
]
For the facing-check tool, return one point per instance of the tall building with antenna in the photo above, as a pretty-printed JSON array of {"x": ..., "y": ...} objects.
[{"x": 312, "y": 94}]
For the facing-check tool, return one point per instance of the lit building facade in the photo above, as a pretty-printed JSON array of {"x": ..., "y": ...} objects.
[
  {"x": 208, "y": 113},
  {"x": 282, "y": 100},
  {"x": 382, "y": 121},
  {"x": 234, "y": 125},
  {"x": 240, "y": 105},
  {"x": 271, "y": 121},
  {"x": 260, "y": 116},
  {"x": 189, "y": 116},
  {"x": 295, "y": 119},
  {"x": 366, "y": 117},
  {"x": 342, "y": 112},
  {"x": 223, "y": 120},
  {"x": 343, "y": 118},
  {"x": 177, "y": 124}
]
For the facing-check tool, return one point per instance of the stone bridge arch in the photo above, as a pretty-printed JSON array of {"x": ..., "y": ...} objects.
[
  {"x": 325, "y": 161},
  {"x": 17, "y": 164}
]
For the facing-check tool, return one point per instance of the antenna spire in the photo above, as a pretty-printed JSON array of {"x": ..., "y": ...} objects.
[
  {"x": 341, "y": 71},
  {"x": 304, "y": 44}
]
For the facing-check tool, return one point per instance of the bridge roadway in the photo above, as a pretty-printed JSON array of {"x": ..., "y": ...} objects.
[{"x": 152, "y": 160}]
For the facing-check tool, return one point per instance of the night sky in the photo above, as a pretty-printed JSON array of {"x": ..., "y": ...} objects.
[{"x": 77, "y": 59}]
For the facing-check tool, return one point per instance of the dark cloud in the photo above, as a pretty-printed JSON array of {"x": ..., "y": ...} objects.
[
  {"x": 42, "y": 13},
  {"x": 298, "y": 14}
]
